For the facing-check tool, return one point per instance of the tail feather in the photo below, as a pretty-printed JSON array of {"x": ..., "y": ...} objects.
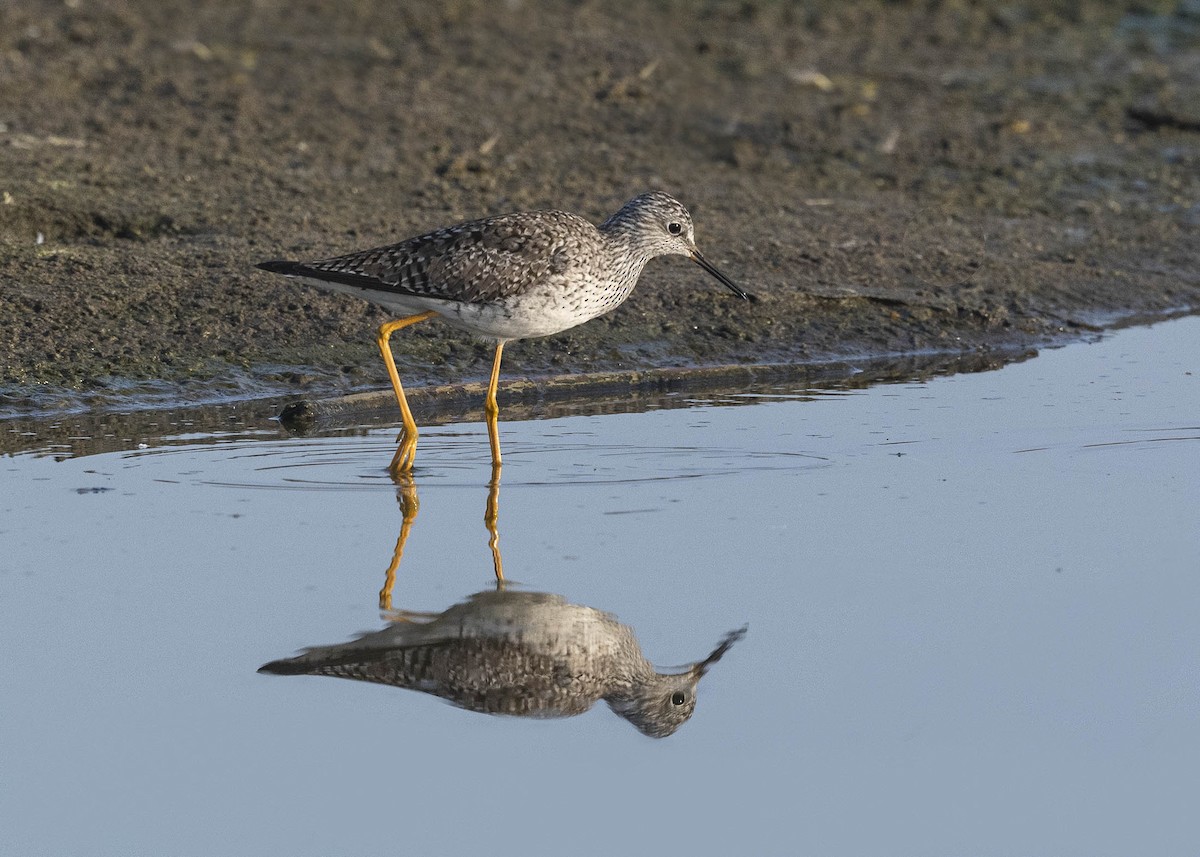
[
  {"x": 334, "y": 280},
  {"x": 322, "y": 658},
  {"x": 287, "y": 666},
  {"x": 281, "y": 266}
]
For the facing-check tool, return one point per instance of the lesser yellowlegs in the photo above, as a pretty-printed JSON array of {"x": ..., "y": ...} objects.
[
  {"x": 528, "y": 654},
  {"x": 514, "y": 276}
]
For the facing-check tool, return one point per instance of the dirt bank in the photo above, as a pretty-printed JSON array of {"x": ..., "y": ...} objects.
[{"x": 886, "y": 177}]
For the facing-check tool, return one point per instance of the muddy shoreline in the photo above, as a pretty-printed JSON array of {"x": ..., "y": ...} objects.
[
  {"x": 109, "y": 429},
  {"x": 885, "y": 177}
]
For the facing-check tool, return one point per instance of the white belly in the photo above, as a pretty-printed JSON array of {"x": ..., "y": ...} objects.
[{"x": 530, "y": 315}]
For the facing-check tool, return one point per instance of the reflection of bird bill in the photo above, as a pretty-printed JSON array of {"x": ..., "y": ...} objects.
[
  {"x": 719, "y": 652},
  {"x": 519, "y": 653}
]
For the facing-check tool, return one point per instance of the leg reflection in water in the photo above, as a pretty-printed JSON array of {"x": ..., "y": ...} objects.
[{"x": 410, "y": 504}]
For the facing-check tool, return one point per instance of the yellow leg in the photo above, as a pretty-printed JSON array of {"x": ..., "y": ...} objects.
[
  {"x": 409, "y": 506},
  {"x": 490, "y": 516},
  {"x": 402, "y": 461},
  {"x": 491, "y": 412}
]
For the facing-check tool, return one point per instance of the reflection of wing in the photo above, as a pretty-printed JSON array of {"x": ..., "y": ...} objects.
[
  {"x": 506, "y": 652},
  {"x": 508, "y": 615},
  {"x": 490, "y": 676},
  {"x": 477, "y": 262}
]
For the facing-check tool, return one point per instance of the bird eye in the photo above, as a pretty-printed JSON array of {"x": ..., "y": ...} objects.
[
  {"x": 674, "y": 228},
  {"x": 678, "y": 697}
]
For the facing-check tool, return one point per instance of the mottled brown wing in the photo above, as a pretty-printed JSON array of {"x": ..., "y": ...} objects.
[
  {"x": 476, "y": 262},
  {"x": 490, "y": 676}
]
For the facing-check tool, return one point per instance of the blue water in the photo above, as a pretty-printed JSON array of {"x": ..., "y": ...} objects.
[{"x": 972, "y": 605}]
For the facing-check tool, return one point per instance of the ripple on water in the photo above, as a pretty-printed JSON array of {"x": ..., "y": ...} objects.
[{"x": 546, "y": 453}]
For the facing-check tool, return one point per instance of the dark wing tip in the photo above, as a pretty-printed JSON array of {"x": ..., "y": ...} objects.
[
  {"x": 299, "y": 269},
  {"x": 280, "y": 266},
  {"x": 288, "y": 666}
]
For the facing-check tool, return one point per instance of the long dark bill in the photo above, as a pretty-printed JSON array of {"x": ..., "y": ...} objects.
[
  {"x": 723, "y": 647},
  {"x": 721, "y": 278}
]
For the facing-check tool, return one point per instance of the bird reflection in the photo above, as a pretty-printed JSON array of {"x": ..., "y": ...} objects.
[
  {"x": 528, "y": 654},
  {"x": 520, "y": 653}
]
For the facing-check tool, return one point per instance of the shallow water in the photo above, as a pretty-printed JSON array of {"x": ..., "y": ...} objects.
[{"x": 972, "y": 609}]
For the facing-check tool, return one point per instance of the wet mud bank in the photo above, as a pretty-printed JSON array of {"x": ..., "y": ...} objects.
[
  {"x": 884, "y": 177},
  {"x": 101, "y": 430}
]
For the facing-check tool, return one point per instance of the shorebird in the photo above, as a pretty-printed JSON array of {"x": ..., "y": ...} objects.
[
  {"x": 526, "y": 654},
  {"x": 514, "y": 276}
]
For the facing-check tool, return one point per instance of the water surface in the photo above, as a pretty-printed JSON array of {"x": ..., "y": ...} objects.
[{"x": 972, "y": 608}]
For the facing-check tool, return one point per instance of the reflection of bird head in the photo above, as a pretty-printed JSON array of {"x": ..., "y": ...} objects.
[{"x": 661, "y": 705}]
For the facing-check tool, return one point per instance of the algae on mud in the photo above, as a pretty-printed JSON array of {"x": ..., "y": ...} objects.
[{"x": 887, "y": 177}]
